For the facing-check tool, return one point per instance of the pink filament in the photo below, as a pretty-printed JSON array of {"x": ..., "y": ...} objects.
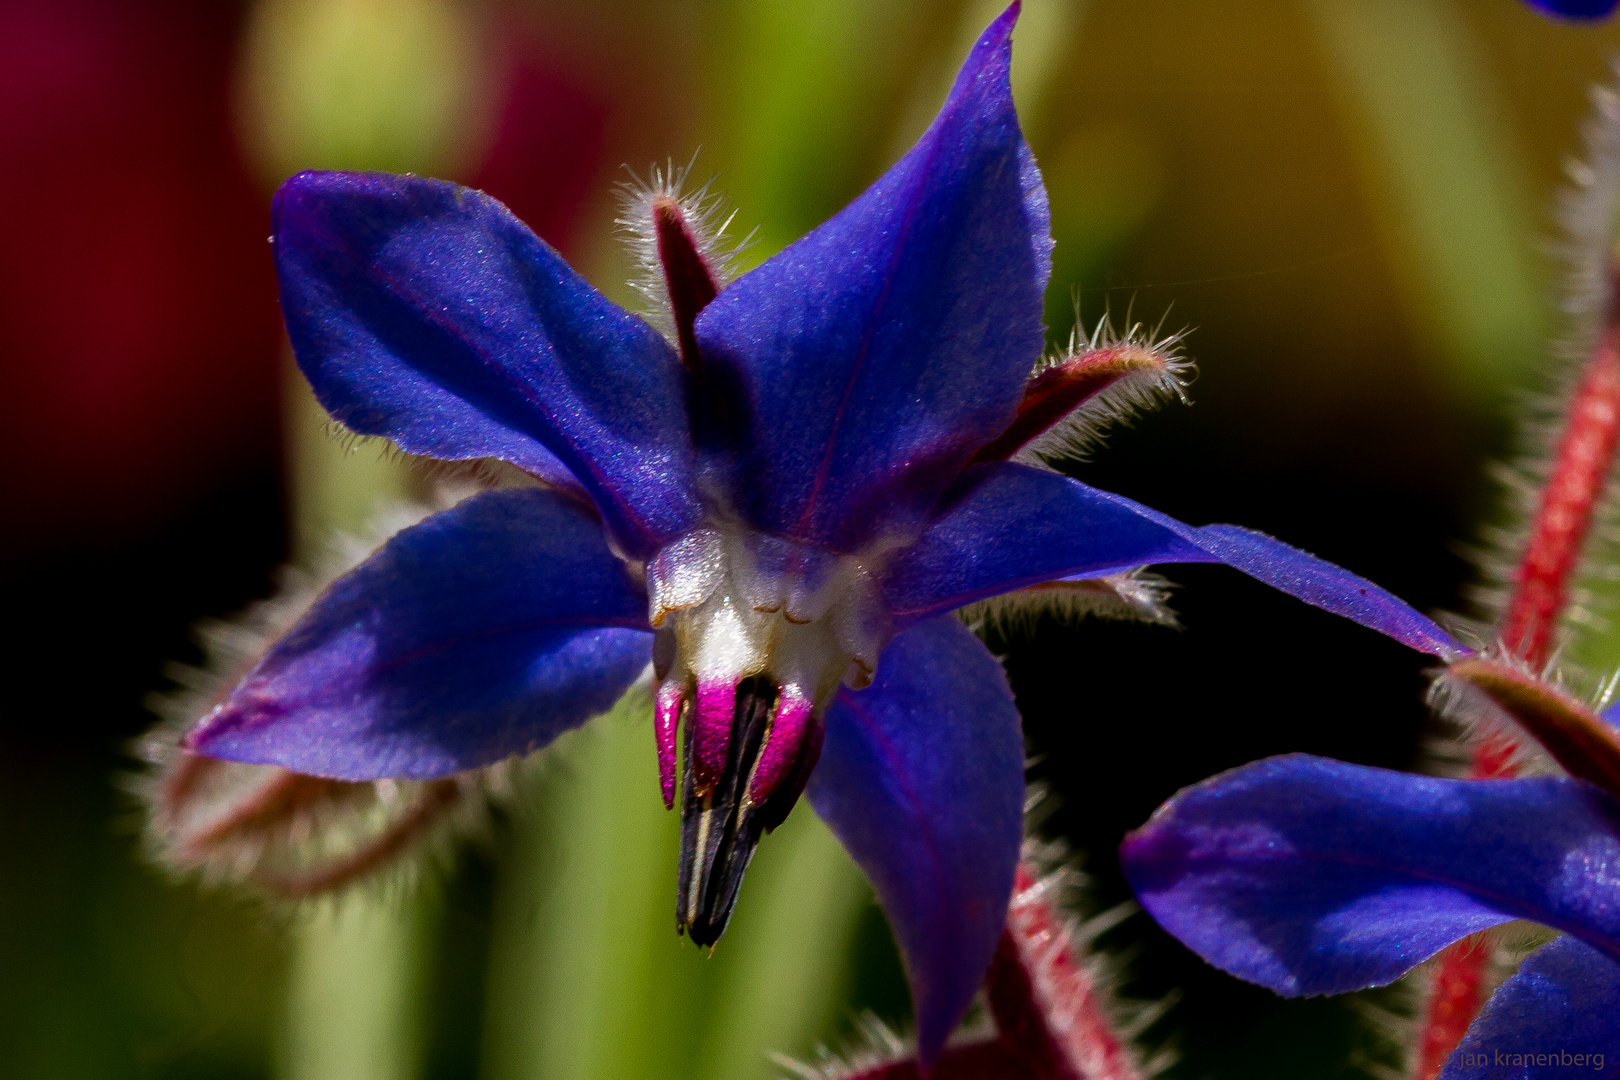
[
  {"x": 782, "y": 746},
  {"x": 666, "y": 718},
  {"x": 711, "y": 735}
]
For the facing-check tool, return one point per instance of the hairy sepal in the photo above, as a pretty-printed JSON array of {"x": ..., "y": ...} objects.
[
  {"x": 296, "y": 837},
  {"x": 1135, "y": 595},
  {"x": 707, "y": 217},
  {"x": 1495, "y": 698},
  {"x": 1114, "y": 377}
]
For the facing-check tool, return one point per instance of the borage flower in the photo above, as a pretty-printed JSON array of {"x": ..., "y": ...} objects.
[{"x": 781, "y": 503}]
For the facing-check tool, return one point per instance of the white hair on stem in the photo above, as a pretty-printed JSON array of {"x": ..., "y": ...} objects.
[
  {"x": 1474, "y": 720},
  {"x": 1075, "y": 985},
  {"x": 1587, "y": 214}
]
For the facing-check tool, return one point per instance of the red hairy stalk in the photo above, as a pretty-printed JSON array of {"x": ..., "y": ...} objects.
[
  {"x": 1045, "y": 1001},
  {"x": 1055, "y": 392},
  {"x": 1580, "y": 469},
  {"x": 989, "y": 1060},
  {"x": 687, "y": 275},
  {"x": 1564, "y": 517},
  {"x": 1052, "y": 1016},
  {"x": 1456, "y": 994}
]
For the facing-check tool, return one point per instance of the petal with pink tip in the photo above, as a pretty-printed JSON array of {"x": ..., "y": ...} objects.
[{"x": 487, "y": 630}]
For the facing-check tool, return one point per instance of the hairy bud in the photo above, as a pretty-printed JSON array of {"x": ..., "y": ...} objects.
[{"x": 279, "y": 832}]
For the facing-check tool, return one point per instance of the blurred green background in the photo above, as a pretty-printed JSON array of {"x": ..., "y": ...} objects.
[{"x": 1348, "y": 200}]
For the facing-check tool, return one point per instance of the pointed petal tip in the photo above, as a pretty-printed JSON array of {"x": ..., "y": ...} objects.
[
  {"x": 429, "y": 658},
  {"x": 209, "y": 736},
  {"x": 922, "y": 780},
  {"x": 940, "y": 265},
  {"x": 1575, "y": 10}
]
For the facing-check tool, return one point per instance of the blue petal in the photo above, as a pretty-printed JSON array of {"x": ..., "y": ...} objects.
[
  {"x": 1321, "y": 584},
  {"x": 1576, "y": 9},
  {"x": 1555, "y": 1018},
  {"x": 1612, "y": 714},
  {"x": 871, "y": 358},
  {"x": 1311, "y": 876},
  {"x": 486, "y": 630},
  {"x": 427, "y": 313},
  {"x": 922, "y": 778},
  {"x": 1004, "y": 526}
]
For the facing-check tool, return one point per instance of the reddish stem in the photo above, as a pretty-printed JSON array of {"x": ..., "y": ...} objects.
[
  {"x": 1051, "y": 1022},
  {"x": 1558, "y": 532},
  {"x": 1564, "y": 517},
  {"x": 1019, "y": 1011},
  {"x": 987, "y": 1060},
  {"x": 1455, "y": 998},
  {"x": 1074, "y": 1026}
]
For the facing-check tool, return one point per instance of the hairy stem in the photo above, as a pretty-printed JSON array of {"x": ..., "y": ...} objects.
[
  {"x": 1558, "y": 532},
  {"x": 1564, "y": 517}
]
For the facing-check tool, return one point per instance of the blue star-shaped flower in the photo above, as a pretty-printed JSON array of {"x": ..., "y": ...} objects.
[
  {"x": 780, "y": 504},
  {"x": 1311, "y": 876}
]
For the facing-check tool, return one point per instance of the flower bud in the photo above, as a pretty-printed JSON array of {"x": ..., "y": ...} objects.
[{"x": 284, "y": 833}]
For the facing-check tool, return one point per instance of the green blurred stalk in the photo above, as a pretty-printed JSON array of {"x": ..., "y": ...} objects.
[
  {"x": 396, "y": 85},
  {"x": 358, "y": 962},
  {"x": 354, "y": 1001},
  {"x": 356, "y": 84},
  {"x": 1447, "y": 178},
  {"x": 803, "y": 101}
]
